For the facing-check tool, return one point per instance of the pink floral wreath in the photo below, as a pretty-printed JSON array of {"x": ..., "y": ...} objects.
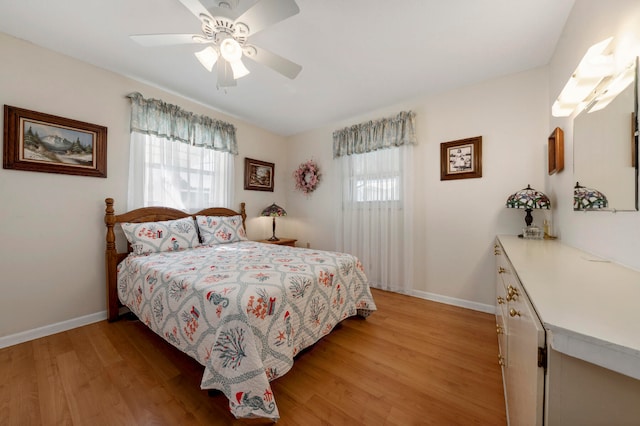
[{"x": 307, "y": 176}]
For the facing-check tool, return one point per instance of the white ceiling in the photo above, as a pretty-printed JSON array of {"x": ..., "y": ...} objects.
[{"x": 357, "y": 55}]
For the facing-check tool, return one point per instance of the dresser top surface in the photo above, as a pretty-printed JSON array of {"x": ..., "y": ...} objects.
[{"x": 582, "y": 299}]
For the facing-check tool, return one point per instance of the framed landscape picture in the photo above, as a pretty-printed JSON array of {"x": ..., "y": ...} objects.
[
  {"x": 40, "y": 142},
  {"x": 258, "y": 175}
]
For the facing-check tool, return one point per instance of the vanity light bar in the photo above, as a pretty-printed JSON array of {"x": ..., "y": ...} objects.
[
  {"x": 613, "y": 89},
  {"x": 596, "y": 65}
]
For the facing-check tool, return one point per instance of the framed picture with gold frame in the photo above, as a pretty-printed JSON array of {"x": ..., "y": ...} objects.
[
  {"x": 461, "y": 159},
  {"x": 556, "y": 151}
]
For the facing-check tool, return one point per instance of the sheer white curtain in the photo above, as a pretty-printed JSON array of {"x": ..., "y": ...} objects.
[
  {"x": 376, "y": 222},
  {"x": 179, "y": 159},
  {"x": 174, "y": 174}
]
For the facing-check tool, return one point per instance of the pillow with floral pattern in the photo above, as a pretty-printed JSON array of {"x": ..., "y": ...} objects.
[
  {"x": 221, "y": 229},
  {"x": 167, "y": 235}
]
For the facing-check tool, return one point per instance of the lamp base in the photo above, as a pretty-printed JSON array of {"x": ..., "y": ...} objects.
[
  {"x": 273, "y": 233},
  {"x": 528, "y": 218}
]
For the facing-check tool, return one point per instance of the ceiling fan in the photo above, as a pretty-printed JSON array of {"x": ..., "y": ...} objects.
[{"x": 227, "y": 38}]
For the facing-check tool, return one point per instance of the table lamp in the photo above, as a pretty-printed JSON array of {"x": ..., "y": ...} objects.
[
  {"x": 588, "y": 198},
  {"x": 273, "y": 211},
  {"x": 528, "y": 199}
]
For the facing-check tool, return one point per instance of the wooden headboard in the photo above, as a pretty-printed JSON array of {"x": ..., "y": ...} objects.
[{"x": 145, "y": 214}]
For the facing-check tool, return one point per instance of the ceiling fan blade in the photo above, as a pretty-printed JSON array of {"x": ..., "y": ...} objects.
[
  {"x": 276, "y": 62},
  {"x": 225, "y": 74},
  {"x": 151, "y": 40},
  {"x": 195, "y": 7},
  {"x": 267, "y": 12}
]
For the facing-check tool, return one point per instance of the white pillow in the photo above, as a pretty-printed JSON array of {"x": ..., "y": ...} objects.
[
  {"x": 221, "y": 229},
  {"x": 168, "y": 235}
]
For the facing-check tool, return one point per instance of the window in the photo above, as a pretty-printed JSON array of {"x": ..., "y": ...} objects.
[
  {"x": 376, "y": 218},
  {"x": 175, "y": 174},
  {"x": 376, "y": 223},
  {"x": 179, "y": 159},
  {"x": 375, "y": 177}
]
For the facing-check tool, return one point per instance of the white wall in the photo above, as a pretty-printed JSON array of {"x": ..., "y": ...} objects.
[
  {"x": 53, "y": 235},
  {"x": 614, "y": 236},
  {"x": 455, "y": 221},
  {"x": 51, "y": 226}
]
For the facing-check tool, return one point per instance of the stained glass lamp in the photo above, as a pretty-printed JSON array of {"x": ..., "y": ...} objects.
[
  {"x": 274, "y": 211},
  {"x": 528, "y": 199},
  {"x": 588, "y": 198}
]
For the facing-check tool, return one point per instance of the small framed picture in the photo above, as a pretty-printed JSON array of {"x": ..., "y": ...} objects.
[
  {"x": 556, "y": 151},
  {"x": 461, "y": 159},
  {"x": 40, "y": 142},
  {"x": 258, "y": 175}
]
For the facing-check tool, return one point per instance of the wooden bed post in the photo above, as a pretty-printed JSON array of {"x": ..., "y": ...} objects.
[
  {"x": 243, "y": 213},
  {"x": 111, "y": 256}
]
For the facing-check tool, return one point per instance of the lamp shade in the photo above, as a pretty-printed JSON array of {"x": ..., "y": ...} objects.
[
  {"x": 207, "y": 57},
  {"x": 274, "y": 211},
  {"x": 588, "y": 198},
  {"x": 528, "y": 199},
  {"x": 230, "y": 49}
]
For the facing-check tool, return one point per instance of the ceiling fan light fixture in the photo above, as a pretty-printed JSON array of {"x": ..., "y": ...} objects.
[
  {"x": 238, "y": 68},
  {"x": 207, "y": 57},
  {"x": 225, "y": 36},
  {"x": 230, "y": 50}
]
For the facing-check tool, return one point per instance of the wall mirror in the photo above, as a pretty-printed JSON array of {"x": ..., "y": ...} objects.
[{"x": 605, "y": 149}]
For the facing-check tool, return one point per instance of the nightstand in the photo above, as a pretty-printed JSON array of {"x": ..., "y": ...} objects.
[{"x": 281, "y": 242}]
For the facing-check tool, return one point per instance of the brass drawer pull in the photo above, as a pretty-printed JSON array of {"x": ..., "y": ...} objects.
[{"x": 514, "y": 313}]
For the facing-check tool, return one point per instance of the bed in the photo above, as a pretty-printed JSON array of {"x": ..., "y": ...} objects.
[{"x": 242, "y": 309}]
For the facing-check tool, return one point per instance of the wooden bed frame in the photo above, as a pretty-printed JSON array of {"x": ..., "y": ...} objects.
[{"x": 145, "y": 214}]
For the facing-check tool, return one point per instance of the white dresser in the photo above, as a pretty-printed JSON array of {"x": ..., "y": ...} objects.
[{"x": 568, "y": 328}]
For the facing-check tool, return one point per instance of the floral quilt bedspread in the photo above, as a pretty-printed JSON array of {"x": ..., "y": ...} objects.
[{"x": 244, "y": 310}]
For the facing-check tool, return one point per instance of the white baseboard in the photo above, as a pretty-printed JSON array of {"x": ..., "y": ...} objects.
[
  {"x": 48, "y": 330},
  {"x": 489, "y": 309}
]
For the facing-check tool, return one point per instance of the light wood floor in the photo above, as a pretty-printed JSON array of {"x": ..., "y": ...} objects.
[{"x": 412, "y": 362}]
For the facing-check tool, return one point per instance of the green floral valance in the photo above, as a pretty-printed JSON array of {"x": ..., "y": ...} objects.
[
  {"x": 155, "y": 117},
  {"x": 374, "y": 135}
]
